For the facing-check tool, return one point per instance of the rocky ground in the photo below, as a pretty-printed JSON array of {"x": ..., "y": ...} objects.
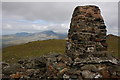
[{"x": 58, "y": 66}]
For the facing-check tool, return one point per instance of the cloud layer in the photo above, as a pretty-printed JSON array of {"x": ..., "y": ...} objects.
[{"x": 56, "y": 16}]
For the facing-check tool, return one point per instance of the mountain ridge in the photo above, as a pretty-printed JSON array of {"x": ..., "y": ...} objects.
[{"x": 24, "y": 37}]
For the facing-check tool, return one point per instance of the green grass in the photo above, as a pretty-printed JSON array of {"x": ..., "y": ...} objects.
[
  {"x": 33, "y": 49},
  {"x": 113, "y": 45},
  {"x": 38, "y": 48}
]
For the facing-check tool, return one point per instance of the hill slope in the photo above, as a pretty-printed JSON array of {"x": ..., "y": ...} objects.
[
  {"x": 113, "y": 45},
  {"x": 33, "y": 49},
  {"x": 37, "y": 48}
]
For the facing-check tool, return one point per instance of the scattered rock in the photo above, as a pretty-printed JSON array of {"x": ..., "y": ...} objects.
[
  {"x": 88, "y": 74},
  {"x": 118, "y": 73},
  {"x": 98, "y": 76},
  {"x": 90, "y": 68},
  {"x": 66, "y": 76},
  {"x": 4, "y": 65},
  {"x": 12, "y": 69}
]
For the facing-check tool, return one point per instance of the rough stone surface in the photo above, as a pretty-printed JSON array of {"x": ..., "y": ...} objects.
[
  {"x": 88, "y": 74},
  {"x": 86, "y": 53},
  {"x": 87, "y": 36}
]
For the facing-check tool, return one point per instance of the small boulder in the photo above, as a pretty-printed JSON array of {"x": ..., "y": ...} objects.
[
  {"x": 90, "y": 67},
  {"x": 88, "y": 74}
]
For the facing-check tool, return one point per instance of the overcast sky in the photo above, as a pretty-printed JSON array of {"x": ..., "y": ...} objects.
[{"x": 56, "y": 16}]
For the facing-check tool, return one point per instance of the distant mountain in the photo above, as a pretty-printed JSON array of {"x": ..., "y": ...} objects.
[
  {"x": 24, "y": 37},
  {"x": 49, "y": 32},
  {"x": 23, "y": 34}
]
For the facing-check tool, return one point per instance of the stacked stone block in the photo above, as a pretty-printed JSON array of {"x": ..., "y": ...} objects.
[{"x": 87, "y": 33}]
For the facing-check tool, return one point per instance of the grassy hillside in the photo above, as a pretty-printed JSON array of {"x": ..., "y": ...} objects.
[
  {"x": 113, "y": 45},
  {"x": 37, "y": 48},
  {"x": 33, "y": 49}
]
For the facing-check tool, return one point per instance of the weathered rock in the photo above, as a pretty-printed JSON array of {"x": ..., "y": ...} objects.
[
  {"x": 88, "y": 74},
  {"x": 98, "y": 76},
  {"x": 30, "y": 72},
  {"x": 66, "y": 76},
  {"x": 21, "y": 61},
  {"x": 90, "y": 68},
  {"x": 39, "y": 64},
  {"x": 105, "y": 73},
  {"x": 17, "y": 75},
  {"x": 74, "y": 76},
  {"x": 4, "y": 65},
  {"x": 12, "y": 69},
  {"x": 118, "y": 73}
]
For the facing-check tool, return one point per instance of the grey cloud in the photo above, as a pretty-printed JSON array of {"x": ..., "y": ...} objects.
[
  {"x": 52, "y": 11},
  {"x": 57, "y": 12}
]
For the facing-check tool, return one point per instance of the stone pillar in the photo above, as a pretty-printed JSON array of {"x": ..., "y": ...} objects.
[{"x": 87, "y": 33}]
